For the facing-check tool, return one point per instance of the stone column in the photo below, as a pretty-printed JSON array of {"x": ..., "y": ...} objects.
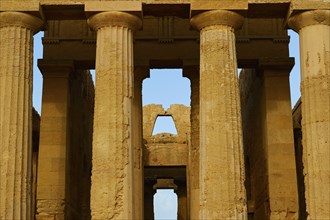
[
  {"x": 181, "y": 192},
  {"x": 149, "y": 193},
  {"x": 112, "y": 174},
  {"x": 54, "y": 141},
  {"x": 193, "y": 167},
  {"x": 314, "y": 32},
  {"x": 222, "y": 192},
  {"x": 16, "y": 49},
  {"x": 280, "y": 200},
  {"x": 140, "y": 73}
]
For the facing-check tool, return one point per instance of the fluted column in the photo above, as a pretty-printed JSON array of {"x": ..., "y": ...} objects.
[
  {"x": 314, "y": 32},
  {"x": 16, "y": 47},
  {"x": 112, "y": 173},
  {"x": 193, "y": 167},
  {"x": 222, "y": 192},
  {"x": 140, "y": 73}
]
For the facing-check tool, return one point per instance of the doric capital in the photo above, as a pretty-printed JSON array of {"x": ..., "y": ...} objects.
[
  {"x": 114, "y": 18},
  {"x": 308, "y": 18},
  {"x": 20, "y": 19},
  {"x": 217, "y": 17}
]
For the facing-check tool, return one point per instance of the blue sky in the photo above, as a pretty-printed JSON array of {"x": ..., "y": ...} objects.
[{"x": 166, "y": 87}]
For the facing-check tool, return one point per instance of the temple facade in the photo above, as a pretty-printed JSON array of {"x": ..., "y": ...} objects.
[{"x": 241, "y": 152}]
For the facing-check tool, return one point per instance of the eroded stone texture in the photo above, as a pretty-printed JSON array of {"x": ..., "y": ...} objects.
[
  {"x": 268, "y": 140},
  {"x": 16, "y": 34},
  {"x": 180, "y": 115},
  {"x": 54, "y": 142},
  {"x": 140, "y": 73},
  {"x": 181, "y": 192},
  {"x": 112, "y": 174},
  {"x": 222, "y": 192},
  {"x": 314, "y": 32},
  {"x": 193, "y": 157}
]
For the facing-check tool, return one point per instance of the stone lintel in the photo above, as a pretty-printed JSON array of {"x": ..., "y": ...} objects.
[
  {"x": 165, "y": 154},
  {"x": 56, "y": 68},
  {"x": 276, "y": 65},
  {"x": 298, "y": 6},
  {"x": 132, "y": 7},
  {"x": 197, "y": 6},
  {"x": 165, "y": 184},
  {"x": 27, "y": 6}
]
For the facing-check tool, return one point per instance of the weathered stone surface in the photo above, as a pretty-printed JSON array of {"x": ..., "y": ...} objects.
[
  {"x": 205, "y": 158},
  {"x": 314, "y": 32},
  {"x": 16, "y": 34},
  {"x": 268, "y": 141},
  {"x": 221, "y": 149},
  {"x": 112, "y": 173}
]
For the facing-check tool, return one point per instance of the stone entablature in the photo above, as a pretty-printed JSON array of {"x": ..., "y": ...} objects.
[{"x": 159, "y": 34}]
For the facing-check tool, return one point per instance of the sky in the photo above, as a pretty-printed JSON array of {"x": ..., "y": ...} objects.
[{"x": 166, "y": 87}]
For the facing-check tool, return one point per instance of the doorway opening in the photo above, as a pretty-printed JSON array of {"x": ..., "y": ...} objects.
[{"x": 165, "y": 204}]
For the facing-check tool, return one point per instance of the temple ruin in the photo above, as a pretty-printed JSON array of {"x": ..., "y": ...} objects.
[{"x": 241, "y": 152}]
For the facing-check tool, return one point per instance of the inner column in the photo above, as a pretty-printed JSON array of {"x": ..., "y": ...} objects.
[
  {"x": 112, "y": 173},
  {"x": 222, "y": 192}
]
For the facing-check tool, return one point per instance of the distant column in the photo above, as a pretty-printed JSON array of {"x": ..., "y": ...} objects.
[
  {"x": 54, "y": 141},
  {"x": 182, "y": 200},
  {"x": 193, "y": 167},
  {"x": 314, "y": 32},
  {"x": 222, "y": 192},
  {"x": 112, "y": 173},
  {"x": 149, "y": 193},
  {"x": 140, "y": 73},
  {"x": 16, "y": 49}
]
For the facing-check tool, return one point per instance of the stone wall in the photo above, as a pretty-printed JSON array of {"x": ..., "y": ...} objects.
[
  {"x": 35, "y": 149},
  {"x": 269, "y": 145},
  {"x": 255, "y": 166},
  {"x": 296, "y": 117},
  {"x": 80, "y": 150}
]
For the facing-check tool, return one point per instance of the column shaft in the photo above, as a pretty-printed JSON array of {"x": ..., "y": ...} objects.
[
  {"x": 182, "y": 201},
  {"x": 149, "y": 193},
  {"x": 139, "y": 74},
  {"x": 222, "y": 192},
  {"x": 193, "y": 168},
  {"x": 112, "y": 174},
  {"x": 16, "y": 34},
  {"x": 54, "y": 144},
  {"x": 314, "y": 33}
]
